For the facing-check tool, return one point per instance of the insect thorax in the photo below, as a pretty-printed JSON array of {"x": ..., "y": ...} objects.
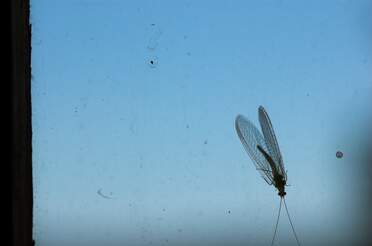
[{"x": 280, "y": 183}]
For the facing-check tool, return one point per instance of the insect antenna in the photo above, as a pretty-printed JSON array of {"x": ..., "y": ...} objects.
[
  {"x": 277, "y": 221},
  {"x": 290, "y": 221}
]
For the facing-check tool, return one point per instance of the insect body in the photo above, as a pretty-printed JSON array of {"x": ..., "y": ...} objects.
[
  {"x": 278, "y": 179},
  {"x": 264, "y": 151}
]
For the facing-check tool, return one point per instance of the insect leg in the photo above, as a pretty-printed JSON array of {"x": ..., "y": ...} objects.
[
  {"x": 277, "y": 221},
  {"x": 290, "y": 221}
]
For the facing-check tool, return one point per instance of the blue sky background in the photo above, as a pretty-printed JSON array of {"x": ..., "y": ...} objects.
[{"x": 158, "y": 139}]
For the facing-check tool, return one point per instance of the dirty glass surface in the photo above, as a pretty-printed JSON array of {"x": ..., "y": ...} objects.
[{"x": 134, "y": 105}]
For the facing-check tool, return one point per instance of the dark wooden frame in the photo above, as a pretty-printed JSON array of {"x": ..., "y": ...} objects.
[{"x": 21, "y": 131}]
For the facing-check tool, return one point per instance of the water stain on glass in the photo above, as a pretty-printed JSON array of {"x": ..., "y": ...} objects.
[
  {"x": 132, "y": 129},
  {"x": 154, "y": 38},
  {"x": 38, "y": 42}
]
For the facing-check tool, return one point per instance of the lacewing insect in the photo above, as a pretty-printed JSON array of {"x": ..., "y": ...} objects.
[{"x": 265, "y": 154}]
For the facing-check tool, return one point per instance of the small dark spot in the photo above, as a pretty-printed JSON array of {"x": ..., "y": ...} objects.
[
  {"x": 188, "y": 53},
  {"x": 163, "y": 209},
  {"x": 152, "y": 24},
  {"x": 307, "y": 94},
  {"x": 229, "y": 211},
  {"x": 153, "y": 62},
  {"x": 187, "y": 126},
  {"x": 99, "y": 192},
  {"x": 206, "y": 142},
  {"x": 339, "y": 154}
]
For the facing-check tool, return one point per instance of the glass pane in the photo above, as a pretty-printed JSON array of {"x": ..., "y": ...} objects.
[{"x": 134, "y": 105}]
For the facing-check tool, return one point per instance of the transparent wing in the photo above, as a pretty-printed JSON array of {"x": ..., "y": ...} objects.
[
  {"x": 250, "y": 137},
  {"x": 270, "y": 140}
]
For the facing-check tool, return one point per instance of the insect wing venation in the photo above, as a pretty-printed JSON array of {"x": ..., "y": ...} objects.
[
  {"x": 270, "y": 140},
  {"x": 250, "y": 137}
]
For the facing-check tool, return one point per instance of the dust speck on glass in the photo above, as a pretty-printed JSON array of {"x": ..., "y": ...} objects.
[
  {"x": 339, "y": 154},
  {"x": 133, "y": 108}
]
